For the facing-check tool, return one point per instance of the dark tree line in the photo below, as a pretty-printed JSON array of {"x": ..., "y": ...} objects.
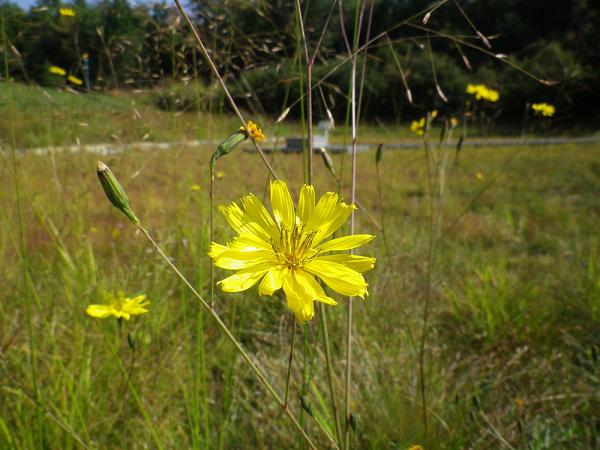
[{"x": 257, "y": 48}]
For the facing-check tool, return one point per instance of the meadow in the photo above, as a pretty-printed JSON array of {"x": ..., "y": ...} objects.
[{"x": 504, "y": 250}]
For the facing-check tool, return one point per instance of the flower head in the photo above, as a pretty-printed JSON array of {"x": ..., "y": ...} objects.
[
  {"x": 73, "y": 79},
  {"x": 417, "y": 126},
  {"x": 543, "y": 109},
  {"x": 288, "y": 249},
  {"x": 254, "y": 131},
  {"x": 57, "y": 70},
  {"x": 416, "y": 447},
  {"x": 67, "y": 12},
  {"x": 453, "y": 122},
  {"x": 119, "y": 306},
  {"x": 482, "y": 92}
]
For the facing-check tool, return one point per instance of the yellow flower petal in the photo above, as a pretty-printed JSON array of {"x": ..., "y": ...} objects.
[
  {"x": 259, "y": 214},
  {"x": 345, "y": 242},
  {"x": 297, "y": 300},
  {"x": 312, "y": 288},
  {"x": 272, "y": 281},
  {"x": 241, "y": 223},
  {"x": 216, "y": 249},
  {"x": 236, "y": 260},
  {"x": 338, "y": 216},
  {"x": 99, "y": 311},
  {"x": 249, "y": 243},
  {"x": 354, "y": 262},
  {"x": 323, "y": 211},
  {"x": 338, "y": 277},
  {"x": 282, "y": 204},
  {"x": 306, "y": 203},
  {"x": 245, "y": 278}
]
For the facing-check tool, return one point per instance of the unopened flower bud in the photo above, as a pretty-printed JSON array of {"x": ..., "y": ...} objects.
[{"x": 114, "y": 191}]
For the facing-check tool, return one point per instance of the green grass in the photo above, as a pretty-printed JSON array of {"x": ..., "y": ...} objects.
[{"x": 512, "y": 349}]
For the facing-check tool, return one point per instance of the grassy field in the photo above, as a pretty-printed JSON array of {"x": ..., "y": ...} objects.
[{"x": 512, "y": 344}]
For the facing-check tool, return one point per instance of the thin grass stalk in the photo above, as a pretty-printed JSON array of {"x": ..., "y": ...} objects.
[
  {"x": 27, "y": 282},
  {"x": 347, "y": 396},
  {"x": 330, "y": 377},
  {"x": 258, "y": 372},
  {"x": 214, "y": 70},
  {"x": 291, "y": 357}
]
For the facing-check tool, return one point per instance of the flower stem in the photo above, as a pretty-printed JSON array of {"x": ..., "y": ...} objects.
[
  {"x": 289, "y": 371},
  {"x": 259, "y": 374},
  {"x": 334, "y": 406}
]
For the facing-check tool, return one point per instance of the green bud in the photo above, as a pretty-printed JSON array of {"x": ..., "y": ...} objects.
[
  {"x": 353, "y": 422},
  {"x": 306, "y": 405},
  {"x": 114, "y": 191},
  {"x": 379, "y": 154},
  {"x": 227, "y": 146}
]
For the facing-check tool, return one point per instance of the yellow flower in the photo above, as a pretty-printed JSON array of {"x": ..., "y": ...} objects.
[
  {"x": 68, "y": 12},
  {"x": 416, "y": 447},
  {"x": 220, "y": 174},
  {"x": 94, "y": 229},
  {"x": 417, "y": 126},
  {"x": 254, "y": 131},
  {"x": 482, "y": 92},
  {"x": 119, "y": 306},
  {"x": 479, "y": 176},
  {"x": 73, "y": 79},
  {"x": 433, "y": 114},
  {"x": 287, "y": 250},
  {"x": 195, "y": 187},
  {"x": 543, "y": 109},
  {"x": 57, "y": 70},
  {"x": 453, "y": 122}
]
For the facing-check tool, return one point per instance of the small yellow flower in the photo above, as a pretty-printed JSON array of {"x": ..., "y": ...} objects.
[
  {"x": 254, "y": 131},
  {"x": 288, "y": 249},
  {"x": 416, "y": 447},
  {"x": 85, "y": 56},
  {"x": 479, "y": 176},
  {"x": 67, "y": 12},
  {"x": 433, "y": 114},
  {"x": 220, "y": 174},
  {"x": 543, "y": 109},
  {"x": 417, "y": 126},
  {"x": 519, "y": 402},
  {"x": 482, "y": 92},
  {"x": 93, "y": 229},
  {"x": 195, "y": 187},
  {"x": 73, "y": 79},
  {"x": 57, "y": 70},
  {"x": 119, "y": 306},
  {"x": 453, "y": 122}
]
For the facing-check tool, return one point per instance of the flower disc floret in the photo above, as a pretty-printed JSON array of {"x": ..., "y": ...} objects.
[{"x": 288, "y": 249}]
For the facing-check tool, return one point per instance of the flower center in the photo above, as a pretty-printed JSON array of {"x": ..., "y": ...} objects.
[{"x": 294, "y": 246}]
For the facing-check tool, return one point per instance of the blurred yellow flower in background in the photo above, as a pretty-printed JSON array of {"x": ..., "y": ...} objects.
[
  {"x": 417, "y": 126},
  {"x": 57, "y": 70},
  {"x": 543, "y": 109},
  {"x": 119, "y": 306},
  {"x": 220, "y": 174},
  {"x": 479, "y": 176},
  {"x": 73, "y": 79},
  {"x": 482, "y": 92},
  {"x": 67, "y": 12},
  {"x": 195, "y": 187},
  {"x": 286, "y": 249},
  {"x": 453, "y": 122}
]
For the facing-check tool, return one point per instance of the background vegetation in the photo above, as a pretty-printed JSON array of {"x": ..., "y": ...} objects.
[{"x": 255, "y": 46}]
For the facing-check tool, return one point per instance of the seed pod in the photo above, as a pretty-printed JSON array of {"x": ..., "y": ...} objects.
[
  {"x": 114, "y": 191},
  {"x": 353, "y": 422},
  {"x": 227, "y": 146},
  {"x": 379, "y": 154},
  {"x": 328, "y": 161},
  {"x": 306, "y": 406}
]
